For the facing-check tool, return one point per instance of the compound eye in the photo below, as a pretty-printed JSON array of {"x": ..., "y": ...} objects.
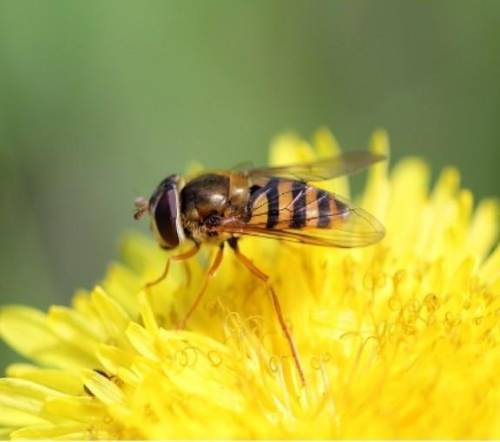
[{"x": 167, "y": 218}]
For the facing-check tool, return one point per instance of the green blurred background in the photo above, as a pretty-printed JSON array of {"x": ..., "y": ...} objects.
[{"x": 101, "y": 99}]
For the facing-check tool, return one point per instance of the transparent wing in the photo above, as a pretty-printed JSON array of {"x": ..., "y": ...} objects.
[
  {"x": 347, "y": 227},
  {"x": 344, "y": 164}
]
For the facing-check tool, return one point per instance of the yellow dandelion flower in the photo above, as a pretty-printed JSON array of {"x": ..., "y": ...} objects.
[{"x": 398, "y": 340}]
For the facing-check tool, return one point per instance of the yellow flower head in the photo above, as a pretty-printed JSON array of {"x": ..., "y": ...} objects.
[{"x": 398, "y": 340}]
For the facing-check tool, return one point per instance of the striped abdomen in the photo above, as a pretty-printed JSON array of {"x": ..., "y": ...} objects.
[{"x": 284, "y": 203}]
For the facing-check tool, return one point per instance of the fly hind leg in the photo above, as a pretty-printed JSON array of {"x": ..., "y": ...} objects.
[{"x": 233, "y": 243}]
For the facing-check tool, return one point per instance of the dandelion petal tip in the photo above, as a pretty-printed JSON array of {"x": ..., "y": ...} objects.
[{"x": 379, "y": 142}]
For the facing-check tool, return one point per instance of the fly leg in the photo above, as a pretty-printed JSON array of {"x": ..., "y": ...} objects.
[
  {"x": 210, "y": 274},
  {"x": 182, "y": 257},
  {"x": 233, "y": 243}
]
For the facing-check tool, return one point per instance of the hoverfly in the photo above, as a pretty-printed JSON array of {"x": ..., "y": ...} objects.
[{"x": 274, "y": 202}]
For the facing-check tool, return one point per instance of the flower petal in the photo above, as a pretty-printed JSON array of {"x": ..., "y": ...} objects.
[{"x": 27, "y": 331}]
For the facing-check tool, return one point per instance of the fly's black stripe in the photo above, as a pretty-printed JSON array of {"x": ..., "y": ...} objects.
[
  {"x": 299, "y": 204},
  {"x": 273, "y": 203},
  {"x": 323, "y": 198}
]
